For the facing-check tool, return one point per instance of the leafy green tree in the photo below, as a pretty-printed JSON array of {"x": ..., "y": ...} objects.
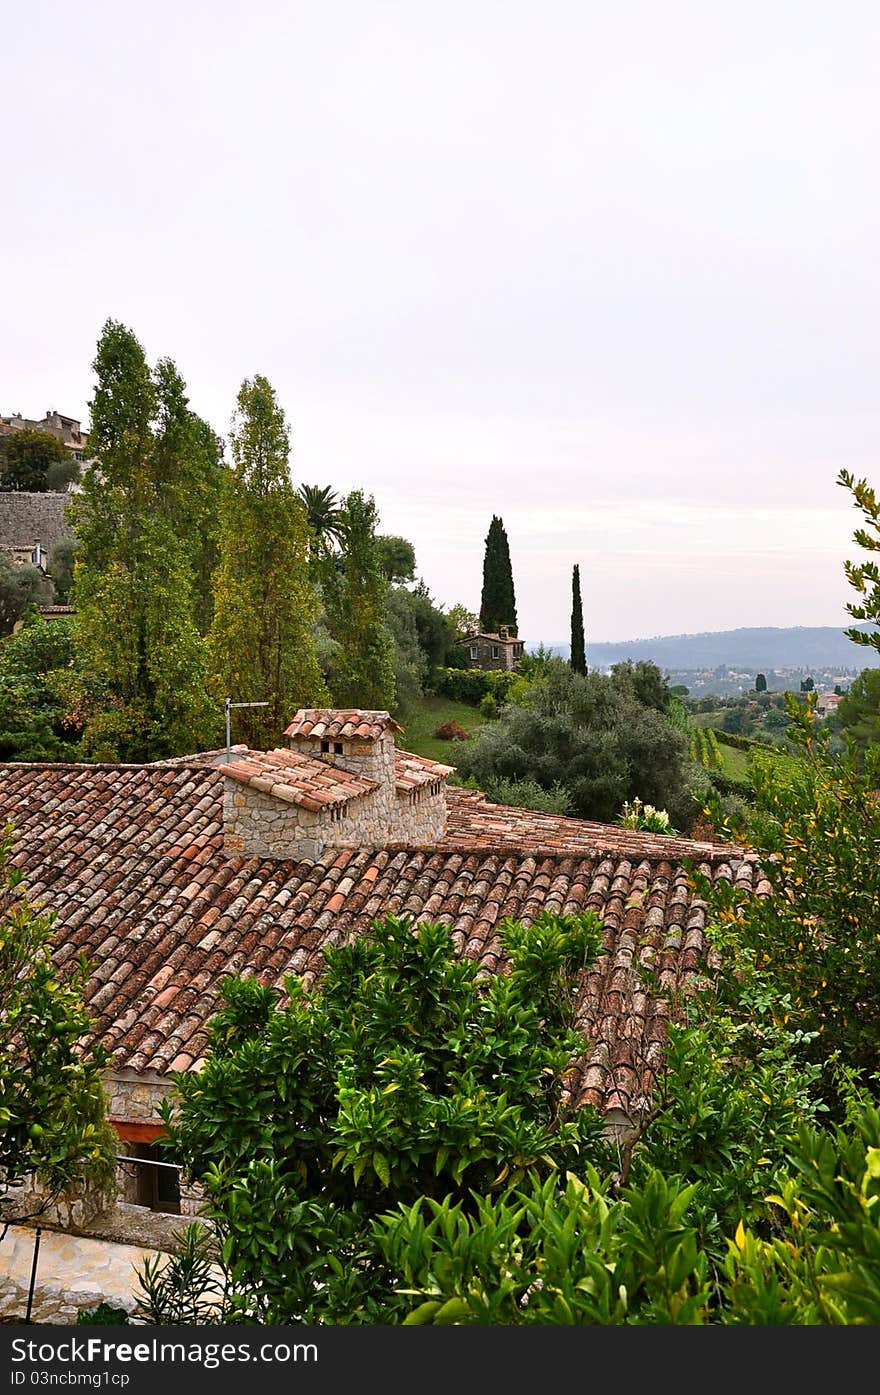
[
  {"x": 323, "y": 516},
  {"x": 462, "y": 620},
  {"x": 52, "y": 1104},
  {"x": 410, "y": 663},
  {"x": 402, "y": 1075},
  {"x": 814, "y": 941},
  {"x": 858, "y": 713},
  {"x": 35, "y": 460},
  {"x": 192, "y": 476},
  {"x": 435, "y": 630},
  {"x": 261, "y": 643},
  {"x": 646, "y": 682},
  {"x": 761, "y": 683},
  {"x": 138, "y": 645},
  {"x": 578, "y": 652},
  {"x": 355, "y": 597},
  {"x": 594, "y": 736},
  {"x": 21, "y": 586},
  {"x": 498, "y": 599},
  {"x": 397, "y": 558},
  {"x": 60, "y": 569},
  {"x": 33, "y": 714}
]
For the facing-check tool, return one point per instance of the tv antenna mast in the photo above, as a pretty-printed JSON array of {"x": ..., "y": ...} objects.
[{"x": 227, "y": 707}]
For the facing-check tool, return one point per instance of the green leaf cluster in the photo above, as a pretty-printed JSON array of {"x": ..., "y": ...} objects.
[
  {"x": 407, "y": 1072},
  {"x": 52, "y": 1103}
]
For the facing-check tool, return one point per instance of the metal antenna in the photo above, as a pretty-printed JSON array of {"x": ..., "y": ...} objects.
[{"x": 227, "y": 707}]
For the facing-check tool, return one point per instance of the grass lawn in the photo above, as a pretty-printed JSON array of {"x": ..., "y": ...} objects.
[
  {"x": 734, "y": 762},
  {"x": 706, "y": 719},
  {"x": 432, "y": 712}
]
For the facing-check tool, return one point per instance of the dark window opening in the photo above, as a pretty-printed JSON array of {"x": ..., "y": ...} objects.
[
  {"x": 157, "y": 1187},
  {"x": 325, "y": 746},
  {"x": 337, "y": 747}
]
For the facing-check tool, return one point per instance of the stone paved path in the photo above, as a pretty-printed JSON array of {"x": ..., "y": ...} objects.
[{"x": 73, "y": 1272}]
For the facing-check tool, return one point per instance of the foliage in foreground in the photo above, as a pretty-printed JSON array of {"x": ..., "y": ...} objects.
[
  {"x": 52, "y": 1104},
  {"x": 406, "y": 1074}
]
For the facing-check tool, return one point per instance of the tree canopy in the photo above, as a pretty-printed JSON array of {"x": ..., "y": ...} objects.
[
  {"x": 140, "y": 652},
  {"x": 606, "y": 740},
  {"x": 37, "y": 461},
  {"x": 261, "y": 645},
  {"x": 355, "y": 598}
]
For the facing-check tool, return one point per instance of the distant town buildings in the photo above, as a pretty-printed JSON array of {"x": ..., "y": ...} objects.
[{"x": 67, "y": 429}]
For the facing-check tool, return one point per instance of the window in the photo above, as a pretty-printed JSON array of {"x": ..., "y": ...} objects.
[
  {"x": 325, "y": 746},
  {"x": 496, "y": 652},
  {"x": 475, "y": 653},
  {"x": 157, "y": 1187},
  {"x": 337, "y": 747}
]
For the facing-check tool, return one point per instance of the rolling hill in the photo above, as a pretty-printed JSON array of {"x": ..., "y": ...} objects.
[{"x": 761, "y": 647}]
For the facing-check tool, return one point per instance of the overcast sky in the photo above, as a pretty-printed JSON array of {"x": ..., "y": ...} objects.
[{"x": 611, "y": 271}]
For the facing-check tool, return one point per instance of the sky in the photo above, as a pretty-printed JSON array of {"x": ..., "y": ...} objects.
[{"x": 609, "y": 272}]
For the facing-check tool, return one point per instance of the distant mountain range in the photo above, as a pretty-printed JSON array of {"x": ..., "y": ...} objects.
[{"x": 764, "y": 647}]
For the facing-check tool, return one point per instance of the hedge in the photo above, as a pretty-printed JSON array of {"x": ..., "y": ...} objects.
[{"x": 471, "y": 685}]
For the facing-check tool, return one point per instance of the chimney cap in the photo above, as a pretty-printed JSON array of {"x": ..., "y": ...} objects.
[{"x": 340, "y": 723}]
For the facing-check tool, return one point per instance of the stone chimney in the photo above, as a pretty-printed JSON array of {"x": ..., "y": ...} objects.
[{"x": 341, "y": 783}]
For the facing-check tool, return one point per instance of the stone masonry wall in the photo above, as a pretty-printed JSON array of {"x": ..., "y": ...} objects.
[
  {"x": 135, "y": 1098},
  {"x": 420, "y": 817},
  {"x": 26, "y": 518},
  {"x": 372, "y": 759},
  {"x": 256, "y": 825}
]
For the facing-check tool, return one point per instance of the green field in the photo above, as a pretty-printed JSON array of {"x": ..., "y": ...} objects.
[
  {"x": 419, "y": 727},
  {"x": 706, "y": 719},
  {"x": 734, "y": 762}
]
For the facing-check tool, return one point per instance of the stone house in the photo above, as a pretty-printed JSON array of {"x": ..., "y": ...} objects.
[
  {"x": 492, "y": 652},
  {"x": 169, "y": 876}
]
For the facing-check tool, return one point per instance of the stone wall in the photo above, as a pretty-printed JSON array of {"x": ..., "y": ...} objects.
[
  {"x": 420, "y": 815},
  {"x": 26, "y": 518},
  {"x": 136, "y": 1098},
  {"x": 374, "y": 760},
  {"x": 256, "y": 825}
]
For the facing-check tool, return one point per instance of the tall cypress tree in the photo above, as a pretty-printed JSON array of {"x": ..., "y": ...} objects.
[
  {"x": 578, "y": 652},
  {"x": 260, "y": 643},
  {"x": 498, "y": 600}
]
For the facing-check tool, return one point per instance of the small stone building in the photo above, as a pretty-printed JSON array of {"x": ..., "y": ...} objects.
[
  {"x": 341, "y": 783},
  {"x": 493, "y": 652}
]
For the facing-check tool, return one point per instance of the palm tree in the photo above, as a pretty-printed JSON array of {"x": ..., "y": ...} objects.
[{"x": 324, "y": 518}]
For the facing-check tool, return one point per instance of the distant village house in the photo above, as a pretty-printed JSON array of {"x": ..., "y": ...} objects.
[{"x": 491, "y": 651}]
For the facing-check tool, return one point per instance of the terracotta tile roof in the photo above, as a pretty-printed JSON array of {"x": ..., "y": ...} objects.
[
  {"x": 131, "y": 860},
  {"x": 296, "y": 779},
  {"x": 333, "y": 724},
  {"x": 412, "y": 772}
]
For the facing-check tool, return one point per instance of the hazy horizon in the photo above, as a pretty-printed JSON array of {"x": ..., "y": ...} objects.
[{"x": 608, "y": 272}]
